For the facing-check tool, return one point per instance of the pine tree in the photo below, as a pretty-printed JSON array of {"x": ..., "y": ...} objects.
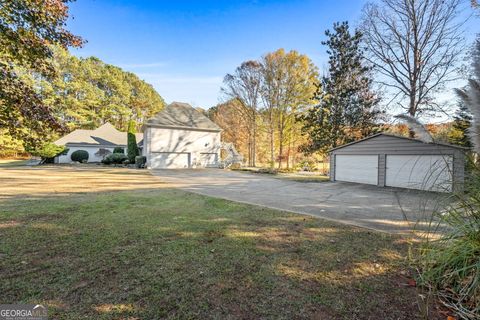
[
  {"x": 132, "y": 149},
  {"x": 459, "y": 132},
  {"x": 348, "y": 107}
]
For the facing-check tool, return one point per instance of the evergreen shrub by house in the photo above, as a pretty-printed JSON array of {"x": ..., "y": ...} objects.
[
  {"x": 140, "y": 161},
  {"x": 115, "y": 158},
  {"x": 79, "y": 156}
]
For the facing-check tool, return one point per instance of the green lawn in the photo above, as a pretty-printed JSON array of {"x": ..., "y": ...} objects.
[
  {"x": 163, "y": 253},
  {"x": 12, "y": 163}
]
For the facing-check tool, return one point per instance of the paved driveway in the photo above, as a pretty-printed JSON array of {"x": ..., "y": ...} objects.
[{"x": 385, "y": 209}]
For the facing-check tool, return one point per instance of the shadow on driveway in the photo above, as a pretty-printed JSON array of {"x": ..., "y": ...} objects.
[{"x": 389, "y": 210}]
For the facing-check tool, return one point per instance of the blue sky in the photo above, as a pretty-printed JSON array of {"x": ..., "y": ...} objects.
[{"x": 184, "y": 48}]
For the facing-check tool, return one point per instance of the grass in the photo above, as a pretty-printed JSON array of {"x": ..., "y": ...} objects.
[
  {"x": 119, "y": 244},
  {"x": 302, "y": 178},
  {"x": 12, "y": 163},
  {"x": 291, "y": 176}
]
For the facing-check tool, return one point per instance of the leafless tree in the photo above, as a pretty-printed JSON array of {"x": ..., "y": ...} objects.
[
  {"x": 244, "y": 85},
  {"x": 471, "y": 97},
  {"x": 415, "y": 46}
]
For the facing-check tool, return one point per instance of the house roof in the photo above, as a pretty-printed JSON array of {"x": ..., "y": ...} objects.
[
  {"x": 105, "y": 135},
  {"x": 182, "y": 115},
  {"x": 399, "y": 137}
]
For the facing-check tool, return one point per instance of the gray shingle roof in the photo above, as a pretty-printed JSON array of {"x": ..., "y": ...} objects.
[
  {"x": 105, "y": 135},
  {"x": 182, "y": 115},
  {"x": 399, "y": 137}
]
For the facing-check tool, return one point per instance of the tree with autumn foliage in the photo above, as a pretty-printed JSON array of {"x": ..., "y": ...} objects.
[
  {"x": 28, "y": 29},
  {"x": 289, "y": 83},
  {"x": 244, "y": 85}
]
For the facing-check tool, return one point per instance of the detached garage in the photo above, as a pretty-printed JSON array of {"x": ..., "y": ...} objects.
[{"x": 393, "y": 161}]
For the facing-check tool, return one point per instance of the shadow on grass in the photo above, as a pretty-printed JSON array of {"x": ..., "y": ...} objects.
[{"x": 166, "y": 253}]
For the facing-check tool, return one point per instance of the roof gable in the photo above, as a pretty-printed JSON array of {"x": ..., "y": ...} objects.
[
  {"x": 383, "y": 134},
  {"x": 182, "y": 115},
  {"x": 105, "y": 135}
]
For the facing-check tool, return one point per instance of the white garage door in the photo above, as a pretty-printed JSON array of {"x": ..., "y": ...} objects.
[
  {"x": 423, "y": 172},
  {"x": 170, "y": 160},
  {"x": 208, "y": 159},
  {"x": 357, "y": 168}
]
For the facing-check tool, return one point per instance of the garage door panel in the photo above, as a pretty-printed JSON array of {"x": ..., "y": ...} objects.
[
  {"x": 423, "y": 172},
  {"x": 170, "y": 160},
  {"x": 357, "y": 168},
  {"x": 208, "y": 159}
]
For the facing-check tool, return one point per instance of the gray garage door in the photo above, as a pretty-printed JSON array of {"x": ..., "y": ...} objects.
[
  {"x": 423, "y": 172},
  {"x": 357, "y": 168}
]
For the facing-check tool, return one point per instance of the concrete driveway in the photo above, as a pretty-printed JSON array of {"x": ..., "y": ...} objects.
[{"x": 385, "y": 209}]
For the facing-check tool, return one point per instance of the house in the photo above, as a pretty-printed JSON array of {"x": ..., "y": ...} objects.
[
  {"x": 393, "y": 161},
  {"x": 98, "y": 143},
  {"x": 181, "y": 137}
]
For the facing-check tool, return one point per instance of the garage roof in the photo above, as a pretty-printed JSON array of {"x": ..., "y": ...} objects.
[
  {"x": 182, "y": 115},
  {"x": 399, "y": 137}
]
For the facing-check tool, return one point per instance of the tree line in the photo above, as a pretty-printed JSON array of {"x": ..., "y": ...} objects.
[
  {"x": 46, "y": 92},
  {"x": 279, "y": 110}
]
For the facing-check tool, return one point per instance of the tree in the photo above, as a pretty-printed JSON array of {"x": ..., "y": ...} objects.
[
  {"x": 229, "y": 117},
  {"x": 89, "y": 92},
  {"x": 132, "y": 148},
  {"x": 471, "y": 98},
  {"x": 458, "y": 134},
  {"x": 48, "y": 151},
  {"x": 288, "y": 88},
  {"x": 244, "y": 85},
  {"x": 347, "y": 108},
  {"x": 28, "y": 28},
  {"x": 415, "y": 47}
]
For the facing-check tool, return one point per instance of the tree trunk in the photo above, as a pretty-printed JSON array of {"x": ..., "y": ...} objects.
[
  {"x": 280, "y": 148},
  {"x": 254, "y": 142},
  {"x": 272, "y": 147}
]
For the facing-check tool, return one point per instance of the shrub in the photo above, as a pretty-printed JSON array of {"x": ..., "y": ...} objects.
[
  {"x": 132, "y": 149},
  {"x": 307, "y": 165},
  {"x": 79, "y": 156},
  {"x": 450, "y": 264},
  {"x": 114, "y": 158},
  {"x": 49, "y": 151},
  {"x": 140, "y": 161},
  {"x": 118, "y": 150}
]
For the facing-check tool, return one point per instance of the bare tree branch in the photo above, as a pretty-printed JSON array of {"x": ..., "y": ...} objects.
[{"x": 415, "y": 47}]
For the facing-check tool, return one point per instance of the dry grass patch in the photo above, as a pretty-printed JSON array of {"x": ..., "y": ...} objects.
[{"x": 117, "y": 244}]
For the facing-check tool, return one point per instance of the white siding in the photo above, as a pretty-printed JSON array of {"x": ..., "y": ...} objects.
[
  {"x": 168, "y": 140},
  {"x": 91, "y": 153}
]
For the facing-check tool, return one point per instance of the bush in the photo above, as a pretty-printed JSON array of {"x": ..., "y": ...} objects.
[
  {"x": 307, "y": 165},
  {"x": 450, "y": 264},
  {"x": 79, "y": 156},
  {"x": 140, "y": 161},
  {"x": 49, "y": 151},
  {"x": 114, "y": 158},
  {"x": 132, "y": 148},
  {"x": 118, "y": 150}
]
